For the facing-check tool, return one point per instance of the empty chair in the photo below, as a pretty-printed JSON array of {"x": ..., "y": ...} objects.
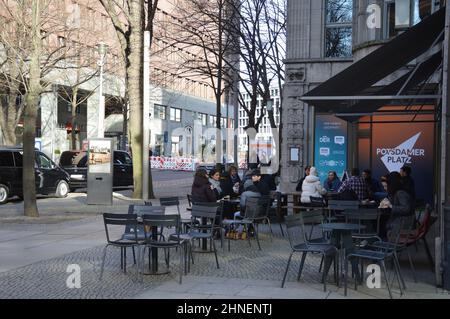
[
  {"x": 202, "y": 226},
  {"x": 385, "y": 251},
  {"x": 299, "y": 243},
  {"x": 175, "y": 241},
  {"x": 338, "y": 206},
  {"x": 367, "y": 217},
  {"x": 174, "y": 201},
  {"x": 127, "y": 220}
]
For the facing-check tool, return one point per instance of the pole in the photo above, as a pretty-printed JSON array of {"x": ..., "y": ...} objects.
[
  {"x": 101, "y": 105},
  {"x": 145, "y": 117},
  {"x": 445, "y": 159}
]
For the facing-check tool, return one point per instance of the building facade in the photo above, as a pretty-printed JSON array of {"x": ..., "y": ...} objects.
[
  {"x": 366, "y": 86},
  {"x": 264, "y": 138},
  {"x": 324, "y": 38},
  {"x": 176, "y": 100}
]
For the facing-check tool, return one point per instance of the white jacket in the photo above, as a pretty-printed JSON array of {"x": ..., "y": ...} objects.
[{"x": 311, "y": 187}]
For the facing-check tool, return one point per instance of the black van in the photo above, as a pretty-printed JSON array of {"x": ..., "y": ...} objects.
[
  {"x": 75, "y": 163},
  {"x": 50, "y": 178}
]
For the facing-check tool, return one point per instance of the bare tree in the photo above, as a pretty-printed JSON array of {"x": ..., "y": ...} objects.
[
  {"x": 130, "y": 18},
  {"x": 26, "y": 70}
]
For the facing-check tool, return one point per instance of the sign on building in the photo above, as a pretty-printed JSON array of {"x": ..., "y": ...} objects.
[
  {"x": 330, "y": 145},
  {"x": 410, "y": 144}
]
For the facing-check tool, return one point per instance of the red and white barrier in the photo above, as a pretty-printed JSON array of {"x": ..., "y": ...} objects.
[{"x": 173, "y": 163}]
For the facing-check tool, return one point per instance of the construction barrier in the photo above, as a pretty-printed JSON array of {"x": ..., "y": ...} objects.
[{"x": 173, "y": 163}]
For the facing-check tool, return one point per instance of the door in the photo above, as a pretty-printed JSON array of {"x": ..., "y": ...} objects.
[
  {"x": 123, "y": 169},
  {"x": 47, "y": 176},
  {"x": 8, "y": 171}
]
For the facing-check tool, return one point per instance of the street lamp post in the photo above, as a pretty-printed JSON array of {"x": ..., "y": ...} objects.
[{"x": 102, "y": 49}]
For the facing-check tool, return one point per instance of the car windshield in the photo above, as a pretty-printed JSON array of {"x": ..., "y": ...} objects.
[{"x": 73, "y": 158}]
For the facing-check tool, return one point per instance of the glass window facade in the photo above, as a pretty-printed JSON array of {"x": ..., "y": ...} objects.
[
  {"x": 338, "y": 28},
  {"x": 160, "y": 111},
  {"x": 175, "y": 114}
]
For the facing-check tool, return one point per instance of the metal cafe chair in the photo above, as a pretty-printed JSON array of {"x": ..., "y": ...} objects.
[
  {"x": 299, "y": 243},
  {"x": 127, "y": 220},
  {"x": 175, "y": 241},
  {"x": 202, "y": 226}
]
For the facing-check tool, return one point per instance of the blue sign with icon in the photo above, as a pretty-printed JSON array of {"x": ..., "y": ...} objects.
[{"x": 330, "y": 145}]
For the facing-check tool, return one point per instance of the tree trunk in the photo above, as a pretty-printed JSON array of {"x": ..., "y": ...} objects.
[
  {"x": 32, "y": 102},
  {"x": 134, "y": 93},
  {"x": 74, "y": 120}
]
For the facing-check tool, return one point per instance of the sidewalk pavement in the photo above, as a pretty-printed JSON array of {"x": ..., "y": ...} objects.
[{"x": 34, "y": 260}]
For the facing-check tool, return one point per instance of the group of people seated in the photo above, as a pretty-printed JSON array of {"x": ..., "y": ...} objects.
[
  {"x": 394, "y": 193},
  {"x": 219, "y": 184}
]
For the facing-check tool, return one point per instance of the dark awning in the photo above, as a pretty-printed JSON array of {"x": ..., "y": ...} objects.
[
  {"x": 376, "y": 66},
  {"x": 424, "y": 71}
]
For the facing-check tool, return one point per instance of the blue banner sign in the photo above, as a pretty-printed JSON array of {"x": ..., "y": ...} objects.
[{"x": 330, "y": 145}]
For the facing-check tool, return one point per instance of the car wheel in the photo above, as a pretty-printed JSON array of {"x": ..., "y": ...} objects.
[
  {"x": 4, "y": 194},
  {"x": 62, "y": 189}
]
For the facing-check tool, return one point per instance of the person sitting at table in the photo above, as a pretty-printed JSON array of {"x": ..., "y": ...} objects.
[
  {"x": 202, "y": 190},
  {"x": 311, "y": 187},
  {"x": 332, "y": 183},
  {"x": 215, "y": 181},
  {"x": 397, "y": 204},
  {"x": 373, "y": 185},
  {"x": 300, "y": 183},
  {"x": 254, "y": 187},
  {"x": 231, "y": 182},
  {"x": 354, "y": 188}
]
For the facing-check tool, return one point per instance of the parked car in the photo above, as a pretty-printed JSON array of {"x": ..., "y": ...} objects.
[
  {"x": 50, "y": 178},
  {"x": 75, "y": 163}
]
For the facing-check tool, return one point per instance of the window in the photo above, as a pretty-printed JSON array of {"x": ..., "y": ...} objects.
[
  {"x": 18, "y": 159},
  {"x": 6, "y": 159},
  {"x": 122, "y": 158},
  {"x": 160, "y": 111},
  {"x": 204, "y": 118},
  {"x": 212, "y": 120},
  {"x": 175, "y": 114},
  {"x": 338, "y": 28},
  {"x": 43, "y": 161},
  {"x": 402, "y": 14}
]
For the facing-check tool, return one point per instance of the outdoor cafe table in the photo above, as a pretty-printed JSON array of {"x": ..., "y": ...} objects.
[
  {"x": 341, "y": 232},
  {"x": 290, "y": 198}
]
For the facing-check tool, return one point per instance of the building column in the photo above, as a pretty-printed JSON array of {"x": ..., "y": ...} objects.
[
  {"x": 294, "y": 119},
  {"x": 445, "y": 158}
]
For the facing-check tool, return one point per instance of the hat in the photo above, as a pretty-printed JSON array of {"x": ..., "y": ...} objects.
[
  {"x": 256, "y": 172},
  {"x": 313, "y": 171}
]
